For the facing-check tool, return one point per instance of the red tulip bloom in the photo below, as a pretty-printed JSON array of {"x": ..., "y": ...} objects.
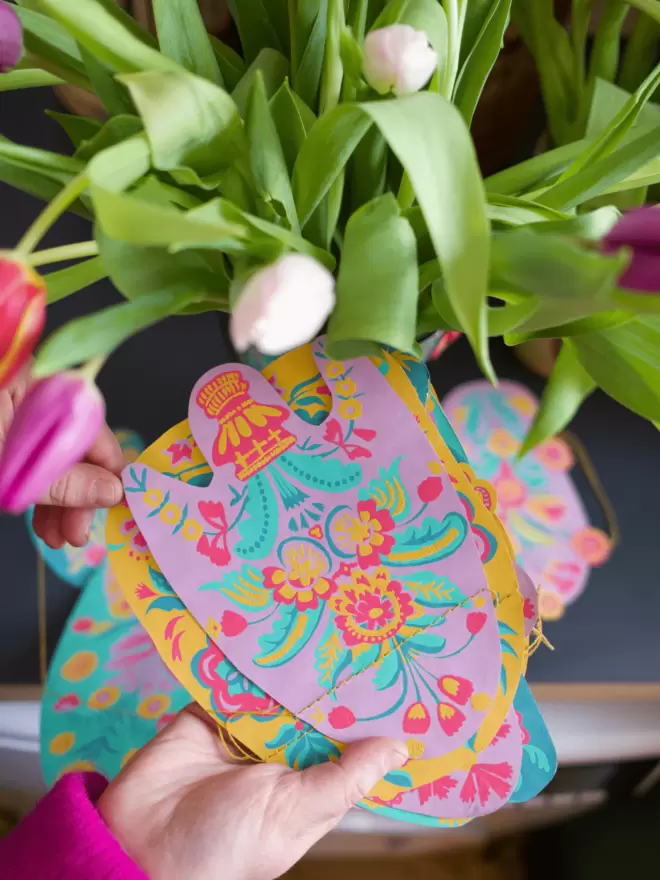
[
  {"x": 22, "y": 315},
  {"x": 232, "y": 624},
  {"x": 475, "y": 622},
  {"x": 429, "y": 489},
  {"x": 417, "y": 719},
  {"x": 341, "y": 717}
]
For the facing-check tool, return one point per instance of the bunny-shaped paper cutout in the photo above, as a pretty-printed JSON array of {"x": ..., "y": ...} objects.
[
  {"x": 537, "y": 500},
  {"x": 326, "y": 550}
]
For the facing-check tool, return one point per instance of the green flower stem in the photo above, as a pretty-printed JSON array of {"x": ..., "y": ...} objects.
[
  {"x": 293, "y": 36},
  {"x": 93, "y": 367},
  {"x": 640, "y": 54},
  {"x": 406, "y": 195},
  {"x": 333, "y": 72},
  {"x": 358, "y": 19},
  {"x": 455, "y": 12},
  {"x": 67, "y": 252},
  {"x": 63, "y": 200}
]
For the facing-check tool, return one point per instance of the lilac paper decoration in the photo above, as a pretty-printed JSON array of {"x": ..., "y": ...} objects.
[
  {"x": 536, "y": 499},
  {"x": 310, "y": 554}
]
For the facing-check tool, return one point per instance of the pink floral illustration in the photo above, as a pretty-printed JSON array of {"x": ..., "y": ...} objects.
[
  {"x": 181, "y": 451},
  {"x": 485, "y": 779},
  {"x": 216, "y": 549},
  {"x": 136, "y": 665},
  {"x": 439, "y": 788}
]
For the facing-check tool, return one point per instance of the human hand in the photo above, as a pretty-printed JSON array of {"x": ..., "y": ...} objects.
[
  {"x": 183, "y": 807},
  {"x": 66, "y": 511}
]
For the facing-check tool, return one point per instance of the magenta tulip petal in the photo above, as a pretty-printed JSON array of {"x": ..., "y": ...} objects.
[
  {"x": 643, "y": 273},
  {"x": 11, "y": 38},
  {"x": 637, "y": 228},
  {"x": 639, "y": 232},
  {"x": 53, "y": 429}
]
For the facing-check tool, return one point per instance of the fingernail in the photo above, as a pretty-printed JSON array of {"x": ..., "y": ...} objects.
[
  {"x": 400, "y": 755},
  {"x": 106, "y": 492}
]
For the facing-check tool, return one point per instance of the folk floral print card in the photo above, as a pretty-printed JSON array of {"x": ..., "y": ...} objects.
[
  {"x": 536, "y": 499},
  {"x": 313, "y": 577}
]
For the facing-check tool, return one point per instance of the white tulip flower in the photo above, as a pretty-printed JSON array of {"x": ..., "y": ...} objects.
[
  {"x": 398, "y": 59},
  {"x": 283, "y": 305}
]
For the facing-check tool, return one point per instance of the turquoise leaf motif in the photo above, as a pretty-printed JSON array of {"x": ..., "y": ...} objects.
[
  {"x": 367, "y": 658},
  {"x": 291, "y": 631},
  {"x": 332, "y": 657},
  {"x": 245, "y": 588},
  {"x": 428, "y": 542},
  {"x": 388, "y": 492},
  {"x": 388, "y": 671},
  {"x": 325, "y": 474},
  {"x": 170, "y": 601},
  {"x": 259, "y": 531},
  {"x": 432, "y": 591},
  {"x": 537, "y": 757},
  {"x": 425, "y": 643},
  {"x": 399, "y": 777}
]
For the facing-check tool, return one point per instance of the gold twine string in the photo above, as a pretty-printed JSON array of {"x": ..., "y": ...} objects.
[{"x": 595, "y": 484}]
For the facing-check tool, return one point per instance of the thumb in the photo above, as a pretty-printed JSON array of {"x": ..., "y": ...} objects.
[{"x": 328, "y": 791}]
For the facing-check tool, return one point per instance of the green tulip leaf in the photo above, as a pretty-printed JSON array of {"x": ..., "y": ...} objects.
[
  {"x": 625, "y": 362},
  {"x": 273, "y": 67},
  {"x": 481, "y": 58},
  {"x": 112, "y": 94},
  {"x": 78, "y": 128},
  {"x": 39, "y": 172},
  {"x": 267, "y": 161},
  {"x": 232, "y": 66},
  {"x": 599, "y": 321},
  {"x": 532, "y": 173},
  {"x": 292, "y": 120},
  {"x": 100, "y": 333},
  {"x": 115, "y": 130},
  {"x": 49, "y": 45},
  {"x": 64, "y": 282},
  {"x": 311, "y": 30},
  {"x": 110, "y": 34},
  {"x": 28, "y": 78},
  {"x": 182, "y": 37},
  {"x": 377, "y": 283},
  {"x": 258, "y": 26},
  {"x": 598, "y": 176},
  {"x": 431, "y": 140},
  {"x": 201, "y": 128},
  {"x": 564, "y": 393}
]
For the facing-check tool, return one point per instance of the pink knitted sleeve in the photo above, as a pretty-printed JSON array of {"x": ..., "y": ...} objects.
[{"x": 65, "y": 838}]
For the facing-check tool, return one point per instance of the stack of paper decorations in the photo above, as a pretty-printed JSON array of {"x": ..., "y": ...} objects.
[
  {"x": 537, "y": 502},
  {"x": 316, "y": 562}
]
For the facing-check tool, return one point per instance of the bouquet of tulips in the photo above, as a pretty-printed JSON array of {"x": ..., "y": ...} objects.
[{"x": 326, "y": 174}]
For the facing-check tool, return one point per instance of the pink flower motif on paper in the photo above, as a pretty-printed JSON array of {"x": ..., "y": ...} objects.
[
  {"x": 142, "y": 591},
  {"x": 501, "y": 734},
  {"x": 439, "y": 789},
  {"x": 94, "y": 555},
  {"x": 231, "y": 691},
  {"x": 523, "y": 730},
  {"x": 592, "y": 545},
  {"x": 67, "y": 703},
  {"x": 341, "y": 717},
  {"x": 165, "y": 720},
  {"x": 529, "y": 609},
  {"x": 216, "y": 549},
  {"x": 555, "y": 454},
  {"x": 82, "y": 625},
  {"x": 180, "y": 451},
  {"x": 129, "y": 528},
  {"x": 511, "y": 491},
  {"x": 485, "y": 779},
  {"x": 171, "y": 635},
  {"x": 372, "y": 611},
  {"x": 136, "y": 665}
]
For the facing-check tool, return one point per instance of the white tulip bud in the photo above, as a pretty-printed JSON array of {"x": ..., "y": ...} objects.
[
  {"x": 398, "y": 58},
  {"x": 283, "y": 306}
]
